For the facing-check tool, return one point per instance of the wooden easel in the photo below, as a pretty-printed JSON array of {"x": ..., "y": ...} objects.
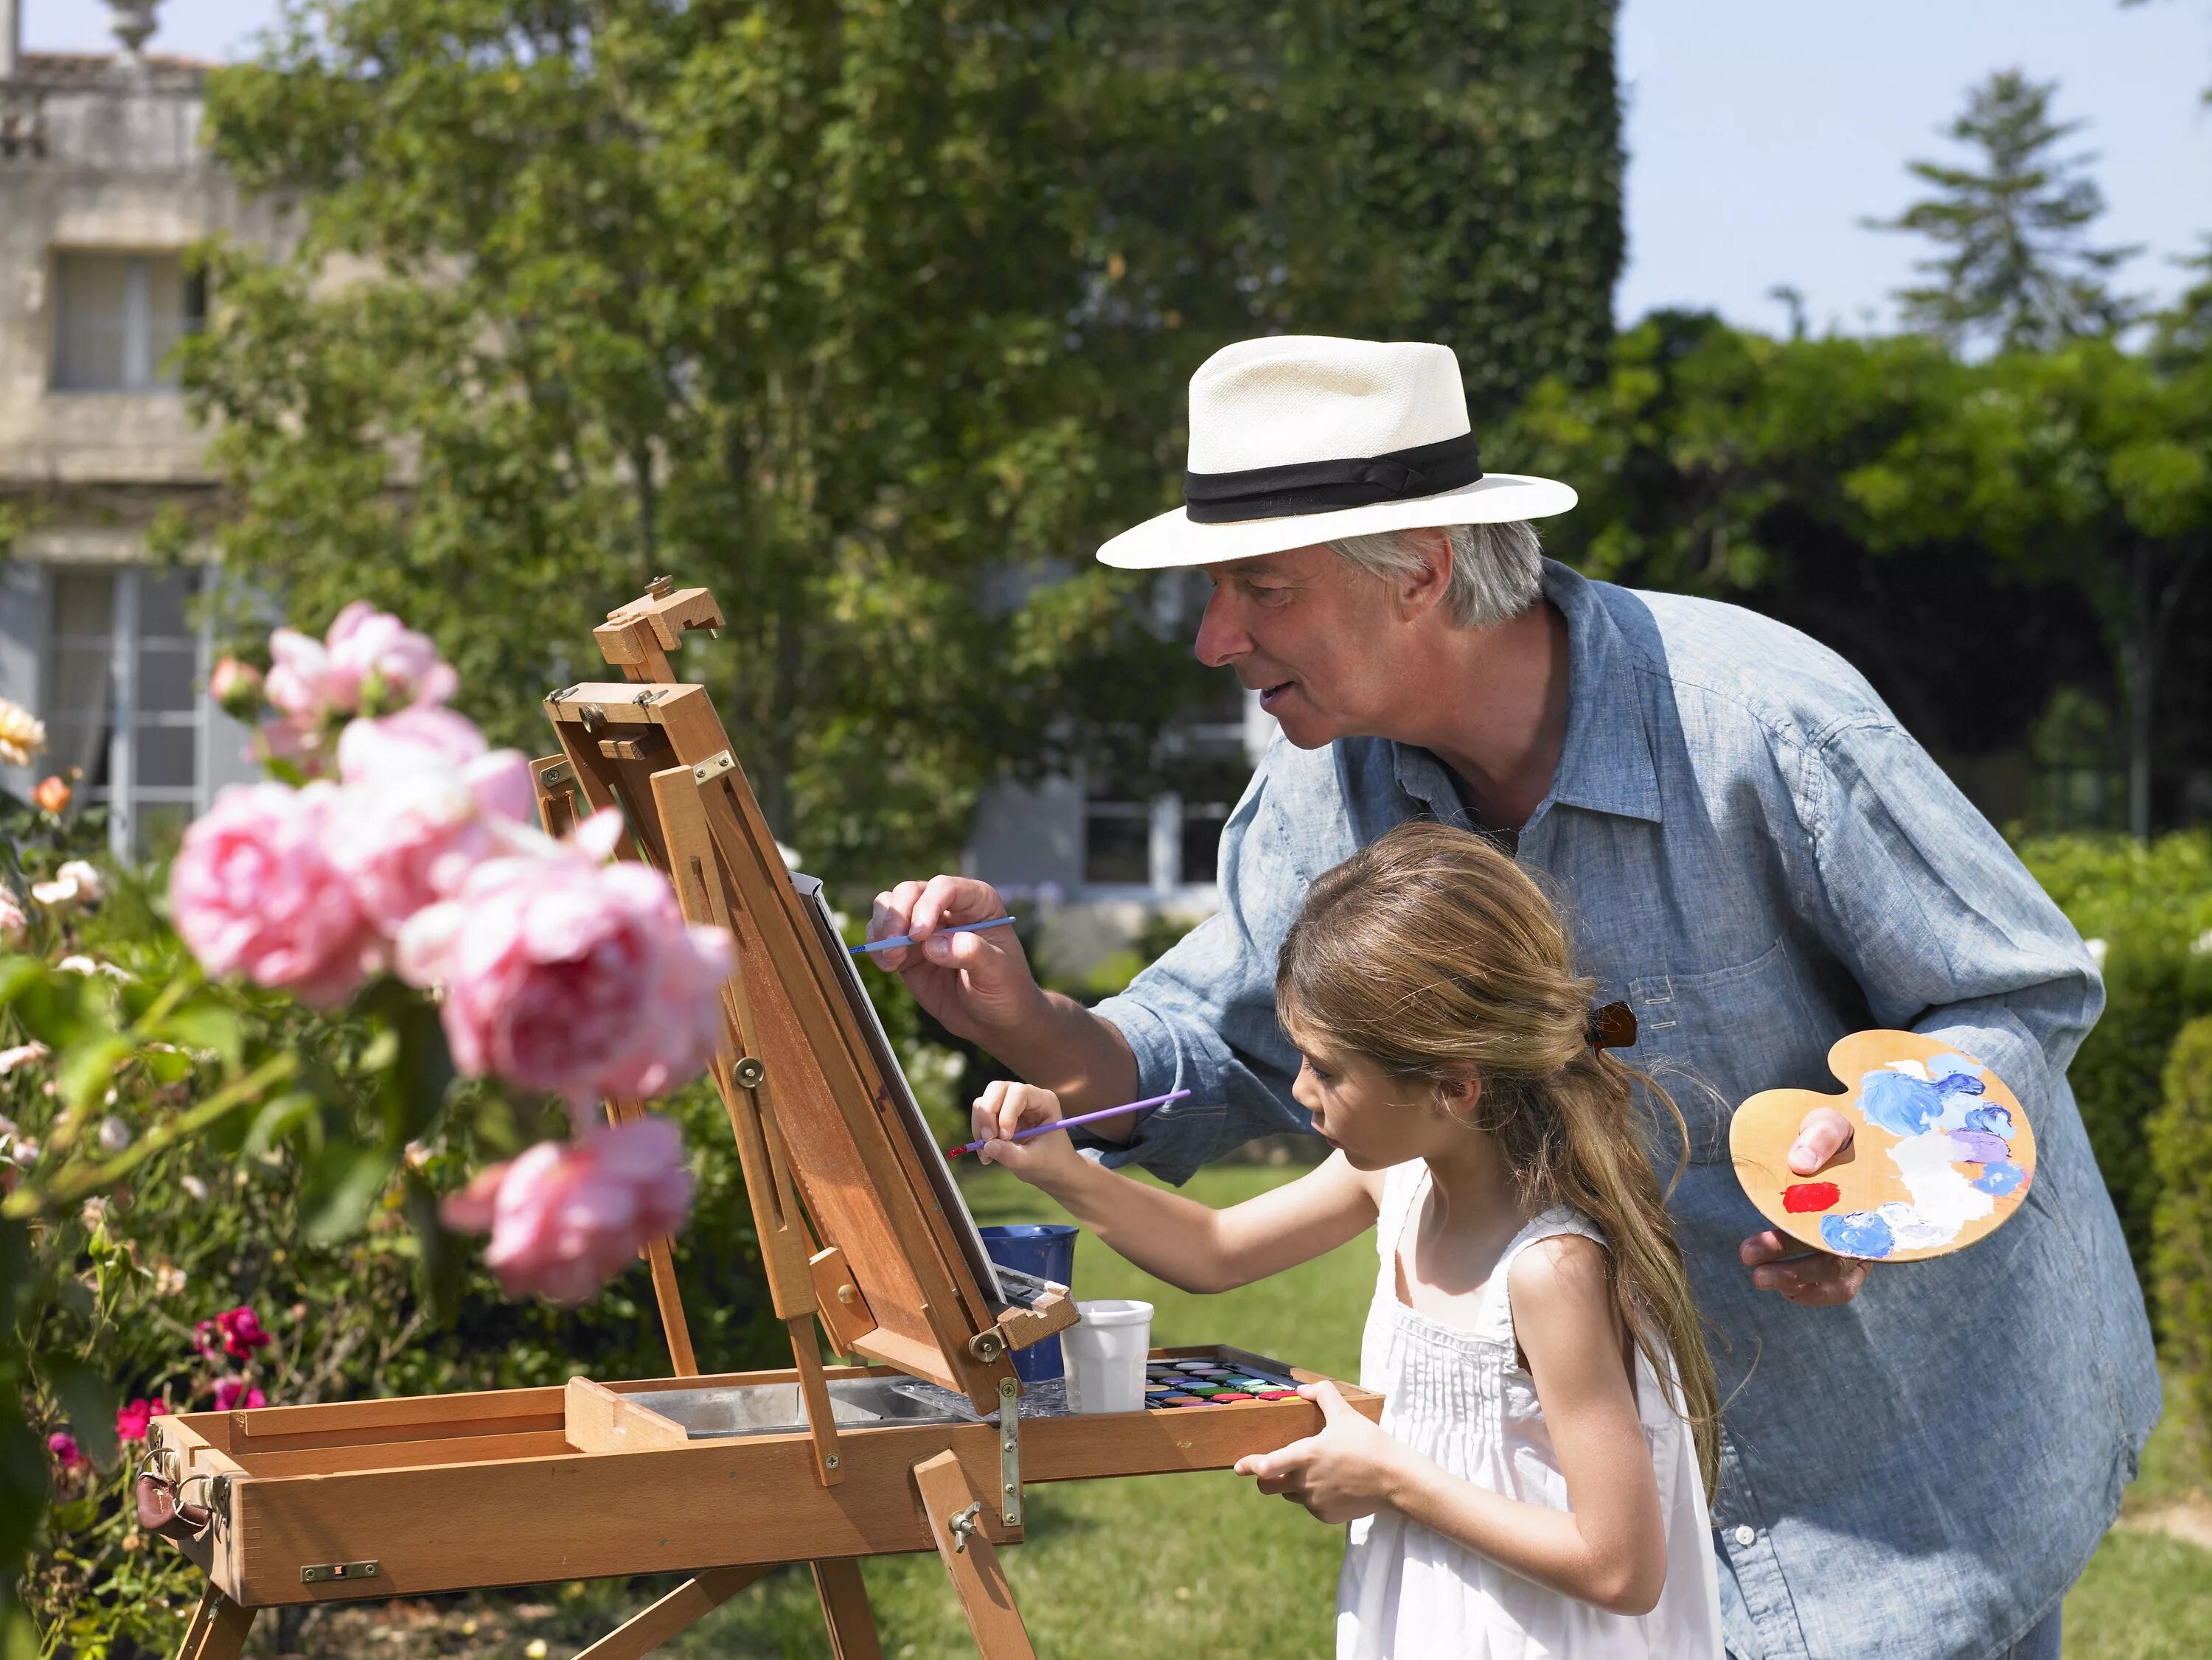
[{"x": 389, "y": 1498}]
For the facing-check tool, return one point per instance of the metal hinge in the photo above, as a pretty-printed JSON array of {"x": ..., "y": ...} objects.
[
  {"x": 1010, "y": 1452},
  {"x": 713, "y": 766},
  {"x": 322, "y": 1572}
]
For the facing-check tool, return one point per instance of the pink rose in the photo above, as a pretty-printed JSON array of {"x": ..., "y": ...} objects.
[
  {"x": 568, "y": 976},
  {"x": 235, "y": 685},
  {"x": 383, "y": 663},
  {"x": 567, "y": 1216},
  {"x": 407, "y": 838},
  {"x": 241, "y": 1332},
  {"x": 253, "y": 892},
  {"x": 14, "y": 923},
  {"x": 368, "y": 664},
  {"x": 232, "y": 1393},
  {"x": 130, "y": 1420},
  {"x": 417, "y": 738},
  {"x": 65, "y": 1450}
]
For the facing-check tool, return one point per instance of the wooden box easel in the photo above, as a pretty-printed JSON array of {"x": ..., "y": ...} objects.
[{"x": 728, "y": 1476}]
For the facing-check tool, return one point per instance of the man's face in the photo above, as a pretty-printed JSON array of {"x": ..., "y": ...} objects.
[{"x": 1312, "y": 634}]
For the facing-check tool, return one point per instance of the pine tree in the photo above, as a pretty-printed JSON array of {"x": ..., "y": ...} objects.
[{"x": 2015, "y": 267}]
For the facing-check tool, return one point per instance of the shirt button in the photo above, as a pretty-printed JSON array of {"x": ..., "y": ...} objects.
[{"x": 1746, "y": 1535}]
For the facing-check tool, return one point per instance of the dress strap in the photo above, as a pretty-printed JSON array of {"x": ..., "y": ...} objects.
[
  {"x": 1495, "y": 1319},
  {"x": 1402, "y": 1184}
]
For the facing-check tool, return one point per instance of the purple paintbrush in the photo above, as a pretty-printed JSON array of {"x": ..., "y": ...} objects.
[{"x": 1070, "y": 1123}]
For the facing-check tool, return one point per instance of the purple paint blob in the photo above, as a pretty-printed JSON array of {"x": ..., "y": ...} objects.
[{"x": 1976, "y": 1147}]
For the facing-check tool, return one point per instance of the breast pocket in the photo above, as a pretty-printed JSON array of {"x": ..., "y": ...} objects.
[{"x": 1712, "y": 1039}]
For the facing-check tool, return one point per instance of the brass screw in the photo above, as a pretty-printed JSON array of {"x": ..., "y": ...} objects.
[{"x": 848, "y": 1296}]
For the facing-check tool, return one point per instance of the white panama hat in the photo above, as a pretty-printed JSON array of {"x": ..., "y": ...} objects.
[{"x": 1300, "y": 439}]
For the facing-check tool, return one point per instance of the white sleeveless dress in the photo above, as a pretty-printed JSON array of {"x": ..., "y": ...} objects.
[{"x": 1462, "y": 1398}]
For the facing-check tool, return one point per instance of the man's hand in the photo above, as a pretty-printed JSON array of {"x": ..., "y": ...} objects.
[
  {"x": 975, "y": 984},
  {"x": 1809, "y": 1279},
  {"x": 1043, "y": 1160},
  {"x": 1340, "y": 1474}
]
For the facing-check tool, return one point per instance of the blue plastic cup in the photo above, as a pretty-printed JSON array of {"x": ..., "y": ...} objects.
[{"x": 1047, "y": 1251}]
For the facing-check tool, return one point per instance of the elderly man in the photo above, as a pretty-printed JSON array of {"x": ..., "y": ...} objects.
[{"x": 1917, "y": 1460}]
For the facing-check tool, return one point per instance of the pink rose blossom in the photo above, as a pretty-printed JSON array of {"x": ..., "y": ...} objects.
[
  {"x": 422, "y": 736},
  {"x": 232, "y": 1393},
  {"x": 567, "y": 1216},
  {"x": 569, "y": 976},
  {"x": 130, "y": 1420},
  {"x": 14, "y": 922},
  {"x": 241, "y": 1332},
  {"x": 408, "y": 837},
  {"x": 65, "y": 1451},
  {"x": 386, "y": 664},
  {"x": 253, "y": 892},
  {"x": 236, "y": 685}
]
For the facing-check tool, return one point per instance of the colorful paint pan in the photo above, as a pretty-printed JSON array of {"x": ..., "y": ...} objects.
[
  {"x": 1181, "y": 1401},
  {"x": 1228, "y": 1394}
]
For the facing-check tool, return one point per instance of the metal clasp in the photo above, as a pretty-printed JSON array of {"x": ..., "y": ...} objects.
[
  {"x": 1010, "y": 1452},
  {"x": 321, "y": 1572},
  {"x": 966, "y": 1524}
]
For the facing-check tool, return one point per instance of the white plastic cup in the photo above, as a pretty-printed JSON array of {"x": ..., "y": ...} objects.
[{"x": 1105, "y": 1352}]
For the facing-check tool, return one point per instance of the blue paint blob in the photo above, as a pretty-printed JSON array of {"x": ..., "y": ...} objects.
[
  {"x": 1976, "y": 1147},
  {"x": 1858, "y": 1233},
  {"x": 1957, "y": 1083},
  {"x": 1899, "y": 1103},
  {"x": 1991, "y": 1120},
  {"x": 1999, "y": 1179},
  {"x": 1944, "y": 1066}
]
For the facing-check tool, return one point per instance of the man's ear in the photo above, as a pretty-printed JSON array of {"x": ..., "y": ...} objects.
[{"x": 1424, "y": 590}]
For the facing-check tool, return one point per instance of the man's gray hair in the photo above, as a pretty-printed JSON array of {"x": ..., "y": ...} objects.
[{"x": 1497, "y": 569}]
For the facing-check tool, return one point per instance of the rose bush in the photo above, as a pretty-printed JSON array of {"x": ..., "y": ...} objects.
[{"x": 256, "y": 1112}]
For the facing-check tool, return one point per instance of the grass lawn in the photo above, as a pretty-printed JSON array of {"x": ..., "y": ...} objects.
[{"x": 1202, "y": 1565}]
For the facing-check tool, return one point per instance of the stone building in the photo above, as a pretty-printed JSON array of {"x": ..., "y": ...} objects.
[{"x": 103, "y": 189}]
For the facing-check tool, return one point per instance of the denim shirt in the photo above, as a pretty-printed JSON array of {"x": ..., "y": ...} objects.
[{"x": 1756, "y": 857}]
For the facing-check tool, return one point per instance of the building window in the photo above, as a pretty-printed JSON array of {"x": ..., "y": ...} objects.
[
  {"x": 1169, "y": 838},
  {"x": 122, "y": 698},
  {"x": 117, "y": 317}
]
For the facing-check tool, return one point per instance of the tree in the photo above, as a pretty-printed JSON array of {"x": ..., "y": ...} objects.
[
  {"x": 874, "y": 317},
  {"x": 2015, "y": 268}
]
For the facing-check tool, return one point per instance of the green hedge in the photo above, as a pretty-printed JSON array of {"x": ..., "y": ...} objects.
[
  {"x": 2180, "y": 1149},
  {"x": 2151, "y": 904}
]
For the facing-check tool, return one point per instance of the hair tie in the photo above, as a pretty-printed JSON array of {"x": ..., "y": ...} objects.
[{"x": 1612, "y": 1027}]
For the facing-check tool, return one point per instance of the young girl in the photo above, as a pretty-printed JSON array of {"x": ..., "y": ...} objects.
[{"x": 1538, "y": 1481}]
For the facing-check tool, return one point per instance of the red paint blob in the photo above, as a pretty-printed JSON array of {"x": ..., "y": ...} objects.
[{"x": 1810, "y": 1195}]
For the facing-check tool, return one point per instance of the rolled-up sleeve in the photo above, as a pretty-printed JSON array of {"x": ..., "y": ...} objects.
[
  {"x": 1944, "y": 928},
  {"x": 1202, "y": 1018}
]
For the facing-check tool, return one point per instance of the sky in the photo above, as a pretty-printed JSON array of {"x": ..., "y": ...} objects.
[{"x": 1761, "y": 132}]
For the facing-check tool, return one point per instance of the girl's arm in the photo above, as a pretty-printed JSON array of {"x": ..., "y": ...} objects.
[
  {"x": 1188, "y": 1245},
  {"x": 1610, "y": 1549}
]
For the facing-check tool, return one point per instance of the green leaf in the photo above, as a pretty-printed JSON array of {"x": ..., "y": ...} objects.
[
  {"x": 279, "y": 1118},
  {"x": 89, "y": 1401},
  {"x": 86, "y": 1069},
  {"x": 204, "y": 1026},
  {"x": 16, "y": 974},
  {"x": 341, "y": 1185}
]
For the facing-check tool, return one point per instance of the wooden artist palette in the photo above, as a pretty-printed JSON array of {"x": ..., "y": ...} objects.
[{"x": 1941, "y": 1153}]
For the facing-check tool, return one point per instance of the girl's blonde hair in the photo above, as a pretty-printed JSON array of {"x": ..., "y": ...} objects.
[{"x": 1433, "y": 955}]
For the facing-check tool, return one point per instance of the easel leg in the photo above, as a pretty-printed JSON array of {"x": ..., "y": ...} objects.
[
  {"x": 955, "y": 1523},
  {"x": 196, "y": 1628},
  {"x": 690, "y": 1602},
  {"x": 845, "y": 1610},
  {"x": 217, "y": 1630}
]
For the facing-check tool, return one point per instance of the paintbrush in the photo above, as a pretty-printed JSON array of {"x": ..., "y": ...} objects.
[
  {"x": 1070, "y": 1123},
  {"x": 897, "y": 940}
]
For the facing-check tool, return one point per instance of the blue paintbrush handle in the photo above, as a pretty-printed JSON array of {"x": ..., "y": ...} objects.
[{"x": 897, "y": 940}]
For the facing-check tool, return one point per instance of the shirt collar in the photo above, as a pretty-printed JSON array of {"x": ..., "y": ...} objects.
[{"x": 1605, "y": 761}]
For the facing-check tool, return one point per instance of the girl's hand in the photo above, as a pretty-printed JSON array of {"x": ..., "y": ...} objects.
[
  {"x": 1347, "y": 1471},
  {"x": 1006, "y": 1107}
]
